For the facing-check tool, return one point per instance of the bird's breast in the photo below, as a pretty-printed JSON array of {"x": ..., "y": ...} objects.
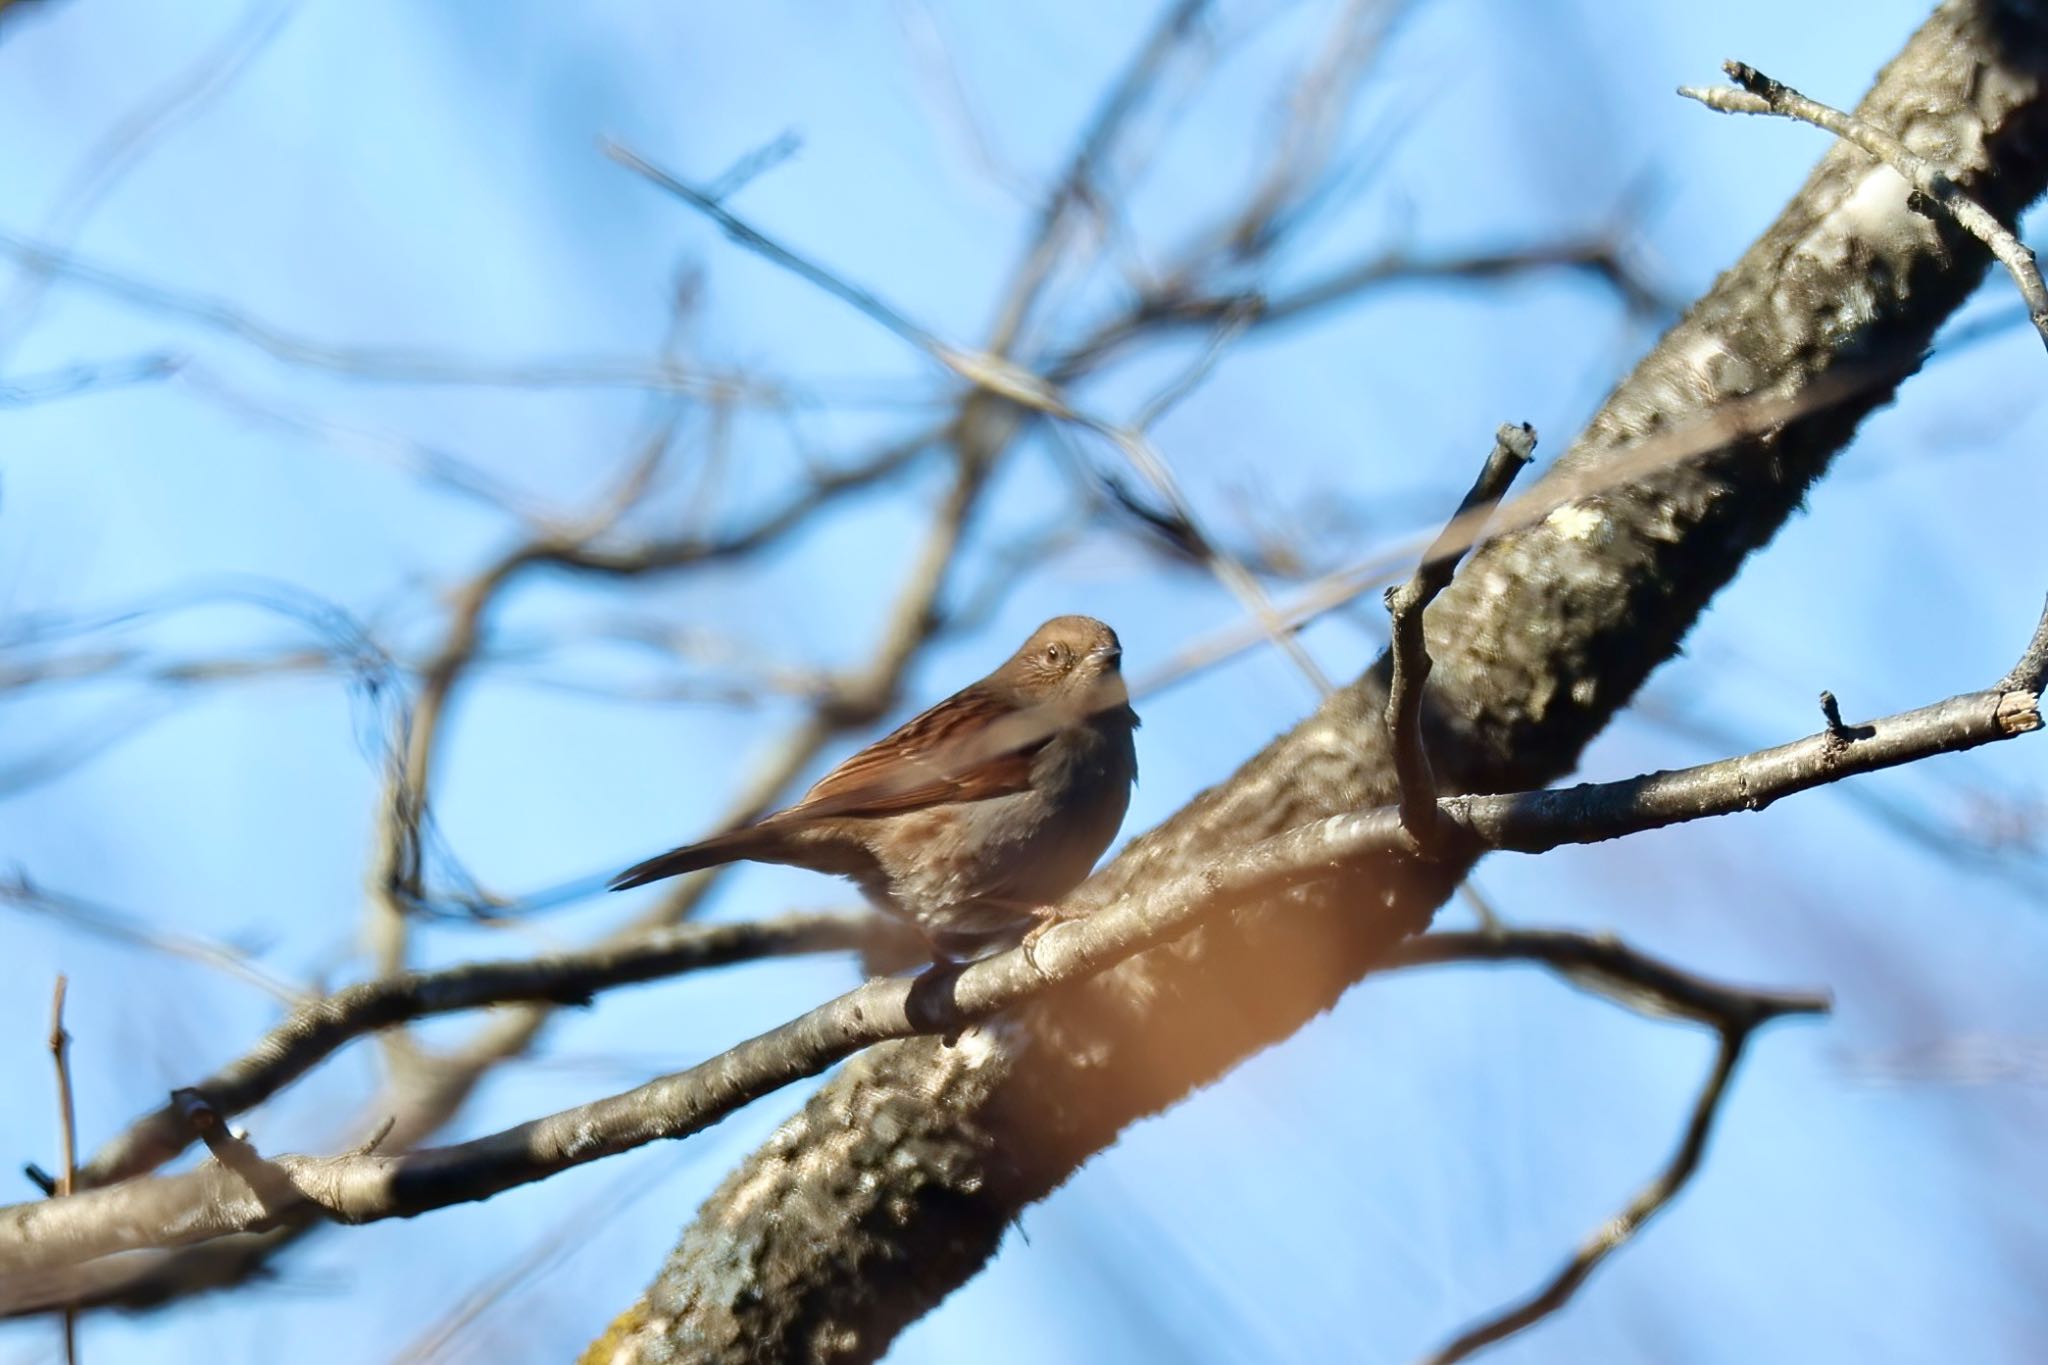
[{"x": 973, "y": 864}]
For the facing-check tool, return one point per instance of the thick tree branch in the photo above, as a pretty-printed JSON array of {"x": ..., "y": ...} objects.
[{"x": 831, "y": 1237}]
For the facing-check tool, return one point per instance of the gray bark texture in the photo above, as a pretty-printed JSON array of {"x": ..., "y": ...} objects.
[{"x": 895, "y": 1184}]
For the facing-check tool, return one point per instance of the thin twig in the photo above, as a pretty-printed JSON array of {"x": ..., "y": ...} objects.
[
  {"x": 1177, "y": 305},
  {"x": 390, "y": 365},
  {"x": 87, "y": 377},
  {"x": 67, "y": 1131},
  {"x": 1483, "y": 910},
  {"x": 60, "y": 1059},
  {"x": 1641, "y": 983},
  {"x": 1145, "y": 456},
  {"x": 1513, "y": 447},
  {"x": 593, "y": 555},
  {"x": 1617, "y": 1230},
  {"x": 1317, "y": 105},
  {"x": 431, "y": 464},
  {"x": 1762, "y": 95},
  {"x": 128, "y": 142},
  {"x": 1081, "y": 183},
  {"x": 17, "y": 890},
  {"x": 760, "y": 243},
  {"x": 1607, "y": 966}
]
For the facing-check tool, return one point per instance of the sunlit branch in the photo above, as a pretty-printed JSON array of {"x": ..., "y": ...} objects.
[
  {"x": 1762, "y": 95},
  {"x": 213, "y": 1201}
]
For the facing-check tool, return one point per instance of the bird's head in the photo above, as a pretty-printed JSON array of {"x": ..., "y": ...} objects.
[{"x": 1069, "y": 661}]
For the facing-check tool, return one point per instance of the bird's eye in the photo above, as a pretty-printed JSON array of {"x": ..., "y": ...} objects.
[{"x": 1056, "y": 655}]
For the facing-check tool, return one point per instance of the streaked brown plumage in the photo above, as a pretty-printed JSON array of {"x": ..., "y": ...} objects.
[{"x": 973, "y": 817}]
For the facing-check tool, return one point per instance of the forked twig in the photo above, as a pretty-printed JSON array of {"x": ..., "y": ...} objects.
[
  {"x": 1762, "y": 95},
  {"x": 1513, "y": 447}
]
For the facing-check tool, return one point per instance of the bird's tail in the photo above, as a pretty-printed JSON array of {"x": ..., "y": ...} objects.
[{"x": 734, "y": 846}]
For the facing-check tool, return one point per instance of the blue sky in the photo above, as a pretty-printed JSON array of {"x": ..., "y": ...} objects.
[{"x": 428, "y": 178}]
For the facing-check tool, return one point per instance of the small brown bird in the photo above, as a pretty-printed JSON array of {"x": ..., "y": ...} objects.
[{"x": 975, "y": 817}]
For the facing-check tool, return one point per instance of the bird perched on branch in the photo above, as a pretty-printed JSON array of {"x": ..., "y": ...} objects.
[{"x": 973, "y": 818}]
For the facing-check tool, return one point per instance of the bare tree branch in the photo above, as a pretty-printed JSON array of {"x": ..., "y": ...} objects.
[
  {"x": 67, "y": 1128},
  {"x": 129, "y": 141},
  {"x": 25, "y": 895},
  {"x": 1177, "y": 304},
  {"x": 87, "y": 377},
  {"x": 215, "y": 1201},
  {"x": 1610, "y": 1236},
  {"x": 1762, "y": 95},
  {"x": 318, "y": 1028},
  {"x": 1611, "y": 968},
  {"x": 1408, "y": 654},
  {"x": 995, "y": 373},
  {"x": 1082, "y": 183},
  {"x": 390, "y": 365}
]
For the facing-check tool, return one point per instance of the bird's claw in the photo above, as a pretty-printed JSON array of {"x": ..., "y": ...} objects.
[{"x": 1047, "y": 918}]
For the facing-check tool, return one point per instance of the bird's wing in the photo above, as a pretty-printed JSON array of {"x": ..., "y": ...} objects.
[{"x": 973, "y": 746}]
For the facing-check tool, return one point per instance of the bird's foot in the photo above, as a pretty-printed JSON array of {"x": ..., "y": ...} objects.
[
  {"x": 1046, "y": 916},
  {"x": 930, "y": 1004}
]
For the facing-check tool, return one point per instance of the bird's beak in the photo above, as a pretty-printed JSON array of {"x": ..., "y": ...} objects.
[{"x": 1106, "y": 689}]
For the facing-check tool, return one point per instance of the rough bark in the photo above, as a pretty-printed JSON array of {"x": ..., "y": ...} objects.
[{"x": 896, "y": 1182}]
